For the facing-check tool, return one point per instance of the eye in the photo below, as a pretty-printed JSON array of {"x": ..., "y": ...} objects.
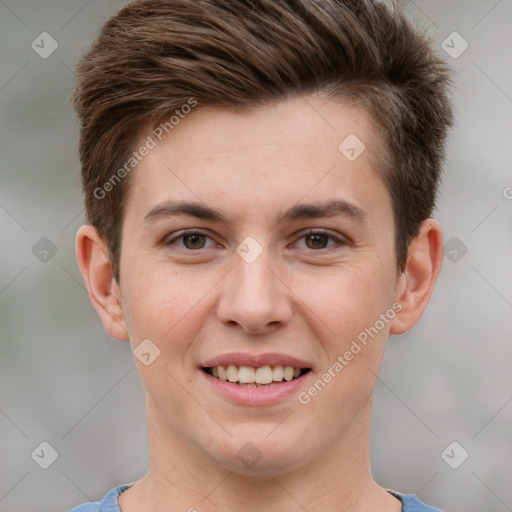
[
  {"x": 318, "y": 239},
  {"x": 192, "y": 240}
]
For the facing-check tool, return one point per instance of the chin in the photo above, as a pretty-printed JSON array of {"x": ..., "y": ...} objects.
[{"x": 257, "y": 456}]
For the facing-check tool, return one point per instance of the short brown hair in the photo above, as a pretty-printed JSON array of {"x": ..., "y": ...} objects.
[{"x": 153, "y": 56}]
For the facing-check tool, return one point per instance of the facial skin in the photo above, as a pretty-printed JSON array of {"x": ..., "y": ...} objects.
[{"x": 303, "y": 296}]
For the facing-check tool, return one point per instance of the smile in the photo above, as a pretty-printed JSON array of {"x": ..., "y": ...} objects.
[{"x": 248, "y": 376}]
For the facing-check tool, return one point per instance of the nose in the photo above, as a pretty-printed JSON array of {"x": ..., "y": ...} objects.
[{"x": 254, "y": 297}]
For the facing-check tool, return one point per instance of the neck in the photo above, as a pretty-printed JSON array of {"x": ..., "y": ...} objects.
[{"x": 182, "y": 478}]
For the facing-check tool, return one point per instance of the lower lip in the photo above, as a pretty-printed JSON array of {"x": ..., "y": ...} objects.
[{"x": 244, "y": 395}]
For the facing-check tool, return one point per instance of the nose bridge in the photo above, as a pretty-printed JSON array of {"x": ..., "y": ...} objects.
[
  {"x": 253, "y": 277},
  {"x": 253, "y": 296}
]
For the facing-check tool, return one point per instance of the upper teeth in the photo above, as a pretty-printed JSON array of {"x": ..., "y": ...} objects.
[{"x": 250, "y": 375}]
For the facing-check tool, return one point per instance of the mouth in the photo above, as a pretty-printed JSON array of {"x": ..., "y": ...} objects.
[{"x": 249, "y": 376}]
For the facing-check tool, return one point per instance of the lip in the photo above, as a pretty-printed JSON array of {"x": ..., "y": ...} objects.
[
  {"x": 249, "y": 396},
  {"x": 256, "y": 360}
]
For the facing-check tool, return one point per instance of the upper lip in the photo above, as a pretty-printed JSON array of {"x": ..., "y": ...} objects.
[{"x": 255, "y": 360}]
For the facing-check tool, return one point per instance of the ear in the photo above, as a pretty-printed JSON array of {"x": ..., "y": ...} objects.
[
  {"x": 419, "y": 277},
  {"x": 104, "y": 292}
]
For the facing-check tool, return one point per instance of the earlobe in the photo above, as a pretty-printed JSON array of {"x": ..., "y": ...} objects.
[
  {"x": 104, "y": 293},
  {"x": 416, "y": 284}
]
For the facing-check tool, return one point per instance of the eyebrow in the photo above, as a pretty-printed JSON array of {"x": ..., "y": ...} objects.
[{"x": 332, "y": 208}]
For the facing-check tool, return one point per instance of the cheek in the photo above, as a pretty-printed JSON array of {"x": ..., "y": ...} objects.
[
  {"x": 166, "y": 308},
  {"x": 166, "y": 305},
  {"x": 348, "y": 299},
  {"x": 351, "y": 306}
]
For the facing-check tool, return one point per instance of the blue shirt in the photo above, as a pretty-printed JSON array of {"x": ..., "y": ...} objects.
[{"x": 109, "y": 503}]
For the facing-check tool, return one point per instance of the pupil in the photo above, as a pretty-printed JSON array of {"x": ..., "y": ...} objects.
[
  {"x": 196, "y": 241},
  {"x": 316, "y": 238}
]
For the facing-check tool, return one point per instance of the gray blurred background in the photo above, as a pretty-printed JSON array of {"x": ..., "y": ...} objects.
[{"x": 66, "y": 383}]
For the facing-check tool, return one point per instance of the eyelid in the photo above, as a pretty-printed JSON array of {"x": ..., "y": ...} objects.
[
  {"x": 183, "y": 233},
  {"x": 339, "y": 239}
]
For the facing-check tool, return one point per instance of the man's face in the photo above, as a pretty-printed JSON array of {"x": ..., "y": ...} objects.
[{"x": 257, "y": 289}]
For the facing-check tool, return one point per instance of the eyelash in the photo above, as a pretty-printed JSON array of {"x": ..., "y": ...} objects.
[{"x": 312, "y": 231}]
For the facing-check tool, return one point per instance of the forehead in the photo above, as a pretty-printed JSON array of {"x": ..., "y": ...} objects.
[{"x": 274, "y": 155}]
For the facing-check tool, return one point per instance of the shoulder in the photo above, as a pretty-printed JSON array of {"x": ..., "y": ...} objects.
[
  {"x": 107, "y": 504},
  {"x": 410, "y": 503}
]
